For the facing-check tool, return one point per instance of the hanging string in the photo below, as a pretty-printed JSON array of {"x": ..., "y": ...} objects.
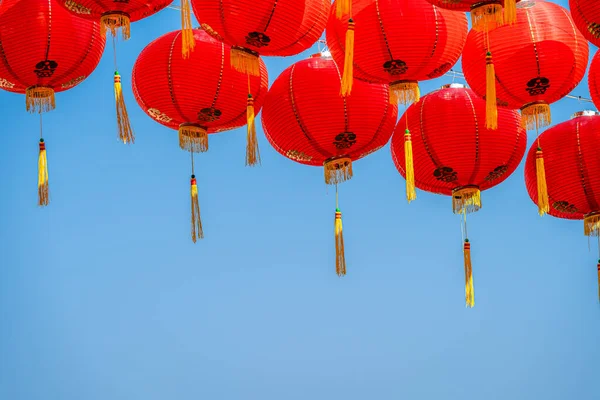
[{"x": 114, "y": 44}]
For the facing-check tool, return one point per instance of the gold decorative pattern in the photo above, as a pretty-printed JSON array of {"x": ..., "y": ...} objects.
[
  {"x": 298, "y": 155},
  {"x": 159, "y": 116},
  {"x": 5, "y": 84},
  {"x": 73, "y": 82},
  {"x": 77, "y": 8}
]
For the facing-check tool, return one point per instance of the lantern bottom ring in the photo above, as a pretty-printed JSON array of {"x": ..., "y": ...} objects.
[
  {"x": 591, "y": 224},
  {"x": 193, "y": 138},
  {"x": 39, "y": 99},
  {"x": 536, "y": 115},
  {"x": 404, "y": 92},
  {"x": 337, "y": 170},
  {"x": 113, "y": 20},
  {"x": 466, "y": 199}
]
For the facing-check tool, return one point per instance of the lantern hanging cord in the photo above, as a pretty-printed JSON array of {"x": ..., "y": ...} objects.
[
  {"x": 463, "y": 220},
  {"x": 336, "y": 197},
  {"x": 114, "y": 43},
  {"x": 41, "y": 126},
  {"x": 192, "y": 158}
]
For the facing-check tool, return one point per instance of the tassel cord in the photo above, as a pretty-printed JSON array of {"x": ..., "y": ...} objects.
[{"x": 340, "y": 258}]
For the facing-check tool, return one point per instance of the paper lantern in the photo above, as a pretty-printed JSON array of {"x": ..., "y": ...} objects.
[
  {"x": 586, "y": 15},
  {"x": 483, "y": 12},
  {"x": 572, "y": 162},
  {"x": 306, "y": 120},
  {"x": 400, "y": 42},
  {"x": 442, "y": 145},
  {"x": 45, "y": 50},
  {"x": 594, "y": 80}
]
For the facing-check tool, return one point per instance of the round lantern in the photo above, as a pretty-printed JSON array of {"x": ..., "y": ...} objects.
[
  {"x": 572, "y": 162},
  {"x": 594, "y": 80},
  {"x": 262, "y": 27},
  {"x": 399, "y": 42},
  {"x": 306, "y": 120},
  {"x": 38, "y": 64},
  {"x": 441, "y": 146},
  {"x": 483, "y": 12},
  {"x": 586, "y": 14},
  {"x": 198, "y": 96}
]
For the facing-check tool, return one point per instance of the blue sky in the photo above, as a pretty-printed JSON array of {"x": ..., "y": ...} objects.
[{"x": 104, "y": 296}]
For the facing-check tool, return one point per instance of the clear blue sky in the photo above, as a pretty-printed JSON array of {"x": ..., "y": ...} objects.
[{"x": 104, "y": 296}]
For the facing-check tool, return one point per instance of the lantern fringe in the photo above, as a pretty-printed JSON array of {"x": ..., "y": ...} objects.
[
  {"x": 510, "y": 12},
  {"x": 542, "y": 188},
  {"x": 197, "y": 232},
  {"x": 40, "y": 99},
  {"x": 404, "y": 92},
  {"x": 187, "y": 33},
  {"x": 245, "y": 61},
  {"x": 124, "y": 126},
  {"x": 340, "y": 257},
  {"x": 486, "y": 16},
  {"x": 536, "y": 115},
  {"x": 466, "y": 200},
  {"x": 113, "y": 21},
  {"x": 338, "y": 170},
  {"x": 43, "y": 187},
  {"x": 252, "y": 151},
  {"x": 591, "y": 225},
  {"x": 469, "y": 287},
  {"x": 348, "y": 74},
  {"x": 409, "y": 168},
  {"x": 193, "y": 138},
  {"x": 343, "y": 8},
  {"x": 491, "y": 107}
]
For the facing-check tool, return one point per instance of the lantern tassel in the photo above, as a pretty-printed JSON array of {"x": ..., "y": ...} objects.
[
  {"x": 535, "y": 116},
  {"x": 125, "y": 132},
  {"x": 245, "y": 61},
  {"x": 404, "y": 92},
  {"x": 252, "y": 151},
  {"x": 466, "y": 200},
  {"x": 112, "y": 22},
  {"x": 193, "y": 138},
  {"x": 43, "y": 188},
  {"x": 348, "y": 75},
  {"x": 338, "y": 170},
  {"x": 39, "y": 99},
  {"x": 491, "y": 108},
  {"x": 486, "y": 16},
  {"x": 542, "y": 188},
  {"x": 187, "y": 33},
  {"x": 409, "y": 168},
  {"x": 469, "y": 287},
  {"x": 510, "y": 12},
  {"x": 340, "y": 257},
  {"x": 591, "y": 224},
  {"x": 343, "y": 8},
  {"x": 197, "y": 232}
]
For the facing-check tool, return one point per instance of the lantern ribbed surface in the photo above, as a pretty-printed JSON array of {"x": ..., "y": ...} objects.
[
  {"x": 594, "y": 80},
  {"x": 306, "y": 120},
  {"x": 572, "y": 166},
  {"x": 539, "y": 59},
  {"x": 586, "y": 14},
  {"x": 399, "y": 40},
  {"x": 43, "y": 45},
  {"x": 267, "y": 27},
  {"x": 463, "y": 5},
  {"x": 452, "y": 148},
  {"x": 133, "y": 9},
  {"x": 203, "y": 89}
]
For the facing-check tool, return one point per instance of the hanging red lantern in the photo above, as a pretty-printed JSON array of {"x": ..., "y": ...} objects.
[
  {"x": 262, "y": 27},
  {"x": 306, "y": 120},
  {"x": 198, "y": 96},
  {"x": 572, "y": 162},
  {"x": 483, "y": 12},
  {"x": 594, "y": 80},
  {"x": 586, "y": 15},
  {"x": 399, "y": 42},
  {"x": 45, "y": 50},
  {"x": 442, "y": 146}
]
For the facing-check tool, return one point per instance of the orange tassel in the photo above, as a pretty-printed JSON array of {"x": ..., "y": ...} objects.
[
  {"x": 469, "y": 288},
  {"x": 252, "y": 151},
  {"x": 542, "y": 187},
  {"x": 43, "y": 188},
  {"x": 348, "y": 75},
  {"x": 187, "y": 33},
  {"x": 491, "y": 107},
  {"x": 340, "y": 257},
  {"x": 197, "y": 231}
]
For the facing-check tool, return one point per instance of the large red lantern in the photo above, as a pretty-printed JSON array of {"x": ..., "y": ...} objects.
[
  {"x": 306, "y": 120},
  {"x": 263, "y": 27},
  {"x": 572, "y": 163},
  {"x": 442, "y": 146},
  {"x": 44, "y": 50},
  {"x": 400, "y": 42},
  {"x": 198, "y": 96},
  {"x": 483, "y": 12},
  {"x": 594, "y": 80},
  {"x": 586, "y": 14}
]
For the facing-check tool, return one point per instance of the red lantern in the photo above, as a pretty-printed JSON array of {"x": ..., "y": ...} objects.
[
  {"x": 262, "y": 27},
  {"x": 483, "y": 12},
  {"x": 572, "y": 162},
  {"x": 586, "y": 14},
  {"x": 39, "y": 64},
  {"x": 442, "y": 145},
  {"x": 198, "y": 96},
  {"x": 399, "y": 42},
  {"x": 306, "y": 120},
  {"x": 594, "y": 80}
]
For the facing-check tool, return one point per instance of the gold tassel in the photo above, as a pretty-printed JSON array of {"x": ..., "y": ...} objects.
[
  {"x": 542, "y": 188},
  {"x": 338, "y": 170},
  {"x": 340, "y": 257},
  {"x": 591, "y": 223},
  {"x": 404, "y": 92},
  {"x": 343, "y": 8},
  {"x": 491, "y": 108},
  {"x": 536, "y": 115},
  {"x": 466, "y": 199},
  {"x": 411, "y": 194},
  {"x": 188, "y": 43},
  {"x": 193, "y": 138},
  {"x": 43, "y": 188},
  {"x": 510, "y": 12},
  {"x": 197, "y": 232},
  {"x": 469, "y": 287},
  {"x": 252, "y": 152},
  {"x": 112, "y": 22},
  {"x": 125, "y": 132},
  {"x": 487, "y": 16},
  {"x": 245, "y": 61},
  {"x": 348, "y": 75},
  {"x": 39, "y": 99}
]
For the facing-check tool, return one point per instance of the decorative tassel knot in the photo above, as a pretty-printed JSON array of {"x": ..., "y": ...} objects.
[
  {"x": 409, "y": 169},
  {"x": 542, "y": 187},
  {"x": 340, "y": 257},
  {"x": 39, "y": 99},
  {"x": 125, "y": 132},
  {"x": 338, "y": 170},
  {"x": 491, "y": 106},
  {"x": 197, "y": 232},
  {"x": 43, "y": 187},
  {"x": 348, "y": 74},
  {"x": 469, "y": 287},
  {"x": 188, "y": 43},
  {"x": 466, "y": 199},
  {"x": 193, "y": 138},
  {"x": 252, "y": 151},
  {"x": 404, "y": 92}
]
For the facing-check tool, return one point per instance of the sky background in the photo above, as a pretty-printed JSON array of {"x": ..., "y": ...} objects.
[{"x": 104, "y": 296}]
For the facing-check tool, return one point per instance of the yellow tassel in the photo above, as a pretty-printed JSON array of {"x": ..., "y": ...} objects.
[
  {"x": 469, "y": 287},
  {"x": 340, "y": 257},
  {"x": 193, "y": 138},
  {"x": 113, "y": 22},
  {"x": 404, "y": 92},
  {"x": 245, "y": 61},
  {"x": 535, "y": 116},
  {"x": 39, "y": 99},
  {"x": 491, "y": 108},
  {"x": 338, "y": 170},
  {"x": 487, "y": 16},
  {"x": 591, "y": 224},
  {"x": 188, "y": 43},
  {"x": 510, "y": 12},
  {"x": 411, "y": 194},
  {"x": 343, "y": 8},
  {"x": 197, "y": 232},
  {"x": 466, "y": 199},
  {"x": 43, "y": 188},
  {"x": 348, "y": 75},
  {"x": 542, "y": 188},
  {"x": 252, "y": 152},
  {"x": 125, "y": 132}
]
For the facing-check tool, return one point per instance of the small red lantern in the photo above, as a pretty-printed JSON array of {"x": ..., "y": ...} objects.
[
  {"x": 586, "y": 14},
  {"x": 594, "y": 80},
  {"x": 483, "y": 12},
  {"x": 38, "y": 64},
  {"x": 460, "y": 158},
  {"x": 572, "y": 162},
  {"x": 198, "y": 96},
  {"x": 306, "y": 120}
]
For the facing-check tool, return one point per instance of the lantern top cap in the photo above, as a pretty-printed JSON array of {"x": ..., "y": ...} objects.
[
  {"x": 585, "y": 113},
  {"x": 454, "y": 86},
  {"x": 322, "y": 54}
]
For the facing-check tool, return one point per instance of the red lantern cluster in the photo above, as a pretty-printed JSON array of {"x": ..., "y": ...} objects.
[
  {"x": 586, "y": 14},
  {"x": 594, "y": 80}
]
